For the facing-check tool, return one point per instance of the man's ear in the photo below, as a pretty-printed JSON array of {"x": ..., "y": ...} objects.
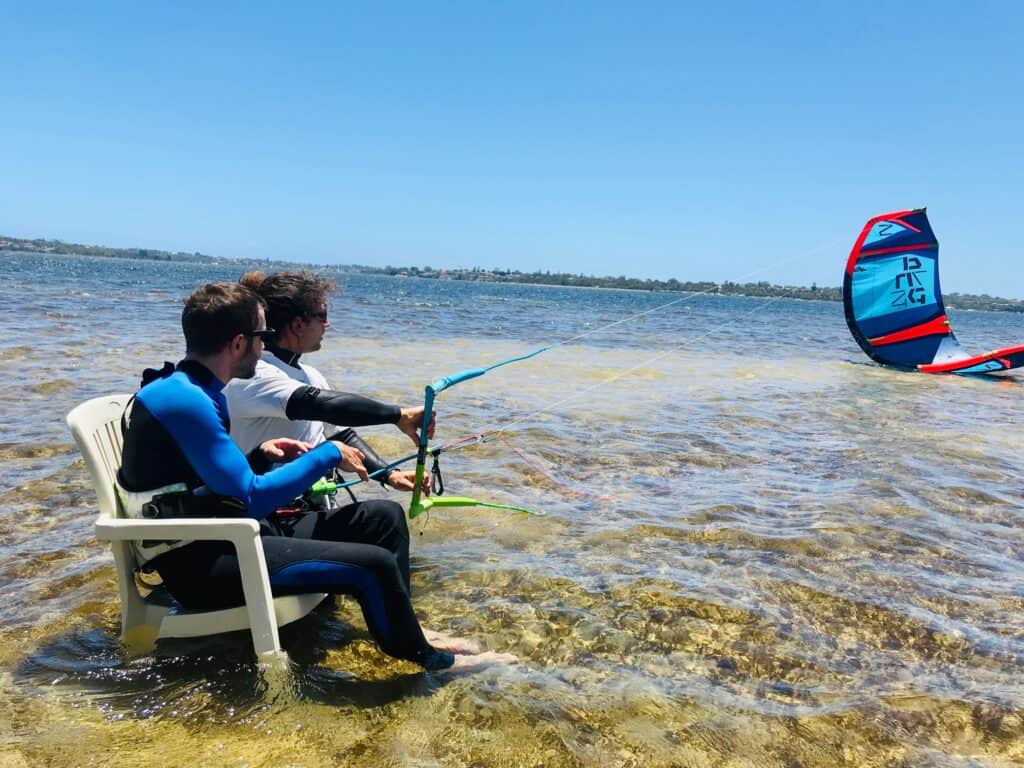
[{"x": 237, "y": 344}]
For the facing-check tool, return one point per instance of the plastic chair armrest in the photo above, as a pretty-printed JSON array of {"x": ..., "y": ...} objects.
[{"x": 235, "y": 530}]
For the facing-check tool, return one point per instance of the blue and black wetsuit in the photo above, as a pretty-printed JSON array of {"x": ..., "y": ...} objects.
[{"x": 179, "y": 433}]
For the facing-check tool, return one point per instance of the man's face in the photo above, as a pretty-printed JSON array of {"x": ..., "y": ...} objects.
[
  {"x": 313, "y": 327},
  {"x": 246, "y": 366}
]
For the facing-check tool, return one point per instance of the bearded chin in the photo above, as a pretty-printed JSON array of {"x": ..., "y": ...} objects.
[{"x": 245, "y": 371}]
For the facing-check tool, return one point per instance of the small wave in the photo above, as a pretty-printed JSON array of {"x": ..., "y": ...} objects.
[
  {"x": 15, "y": 353},
  {"x": 50, "y": 387}
]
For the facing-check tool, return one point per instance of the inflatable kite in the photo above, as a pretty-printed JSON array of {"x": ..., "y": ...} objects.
[{"x": 894, "y": 304}]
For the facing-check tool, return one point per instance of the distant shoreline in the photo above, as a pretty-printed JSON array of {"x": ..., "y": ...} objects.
[{"x": 956, "y": 301}]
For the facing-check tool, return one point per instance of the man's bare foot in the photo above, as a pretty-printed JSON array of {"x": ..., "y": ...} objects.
[
  {"x": 473, "y": 662},
  {"x": 451, "y": 644}
]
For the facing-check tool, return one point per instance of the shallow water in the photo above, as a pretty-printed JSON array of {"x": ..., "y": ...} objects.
[{"x": 775, "y": 554}]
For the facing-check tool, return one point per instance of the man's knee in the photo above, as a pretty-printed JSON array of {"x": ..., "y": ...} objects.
[{"x": 390, "y": 515}]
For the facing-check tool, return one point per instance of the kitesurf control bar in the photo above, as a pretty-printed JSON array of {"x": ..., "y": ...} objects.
[{"x": 418, "y": 505}]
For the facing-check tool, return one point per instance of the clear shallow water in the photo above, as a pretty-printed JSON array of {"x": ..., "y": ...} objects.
[{"x": 799, "y": 558}]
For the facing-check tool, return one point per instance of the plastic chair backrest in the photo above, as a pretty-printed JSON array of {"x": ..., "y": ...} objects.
[{"x": 96, "y": 427}]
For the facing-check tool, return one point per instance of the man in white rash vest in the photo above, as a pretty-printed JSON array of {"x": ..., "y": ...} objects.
[{"x": 287, "y": 397}]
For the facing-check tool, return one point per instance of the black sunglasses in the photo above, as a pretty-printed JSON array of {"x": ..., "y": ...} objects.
[
  {"x": 264, "y": 334},
  {"x": 321, "y": 316}
]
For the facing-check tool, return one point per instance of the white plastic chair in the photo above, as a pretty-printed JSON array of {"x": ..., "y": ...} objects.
[{"x": 96, "y": 427}]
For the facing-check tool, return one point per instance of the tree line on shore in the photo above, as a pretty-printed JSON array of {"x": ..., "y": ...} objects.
[
  {"x": 76, "y": 249},
  {"x": 726, "y": 288},
  {"x": 477, "y": 274}
]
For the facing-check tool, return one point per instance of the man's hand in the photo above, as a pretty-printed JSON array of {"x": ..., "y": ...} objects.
[
  {"x": 351, "y": 460},
  {"x": 283, "y": 449},
  {"x": 411, "y": 420},
  {"x": 406, "y": 481}
]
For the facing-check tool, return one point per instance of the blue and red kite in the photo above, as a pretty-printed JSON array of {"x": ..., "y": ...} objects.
[{"x": 894, "y": 304}]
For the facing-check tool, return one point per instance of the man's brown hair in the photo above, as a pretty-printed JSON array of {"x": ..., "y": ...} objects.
[
  {"x": 288, "y": 295},
  {"x": 215, "y": 313}
]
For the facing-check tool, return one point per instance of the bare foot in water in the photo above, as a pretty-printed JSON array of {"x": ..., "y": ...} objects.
[
  {"x": 451, "y": 644},
  {"x": 474, "y": 662}
]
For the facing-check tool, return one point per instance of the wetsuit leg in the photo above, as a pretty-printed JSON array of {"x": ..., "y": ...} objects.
[
  {"x": 380, "y": 522},
  {"x": 207, "y": 576},
  {"x": 366, "y": 572}
]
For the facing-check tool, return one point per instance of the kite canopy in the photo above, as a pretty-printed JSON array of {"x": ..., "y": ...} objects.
[{"x": 894, "y": 304}]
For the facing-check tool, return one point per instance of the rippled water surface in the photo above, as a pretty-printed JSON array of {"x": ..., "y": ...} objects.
[{"x": 774, "y": 554}]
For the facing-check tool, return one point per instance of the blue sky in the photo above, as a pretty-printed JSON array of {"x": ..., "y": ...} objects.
[{"x": 729, "y": 141}]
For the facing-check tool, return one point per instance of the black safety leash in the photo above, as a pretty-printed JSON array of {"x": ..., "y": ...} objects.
[{"x": 436, "y": 481}]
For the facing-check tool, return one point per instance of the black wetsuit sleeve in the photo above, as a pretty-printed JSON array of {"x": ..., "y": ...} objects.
[
  {"x": 258, "y": 463},
  {"x": 371, "y": 460},
  {"x": 341, "y": 409}
]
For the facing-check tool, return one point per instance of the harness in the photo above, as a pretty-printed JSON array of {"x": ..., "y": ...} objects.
[{"x": 169, "y": 502}]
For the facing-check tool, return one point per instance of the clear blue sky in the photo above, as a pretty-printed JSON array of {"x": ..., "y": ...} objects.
[{"x": 696, "y": 141}]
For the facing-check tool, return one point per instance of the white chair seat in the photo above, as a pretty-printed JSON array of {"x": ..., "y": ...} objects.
[
  {"x": 96, "y": 427},
  {"x": 179, "y": 623}
]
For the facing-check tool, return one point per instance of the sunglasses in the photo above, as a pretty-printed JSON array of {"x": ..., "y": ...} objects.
[
  {"x": 264, "y": 334},
  {"x": 321, "y": 316}
]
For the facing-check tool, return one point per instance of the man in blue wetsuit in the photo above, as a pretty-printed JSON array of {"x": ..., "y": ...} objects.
[{"x": 178, "y": 445}]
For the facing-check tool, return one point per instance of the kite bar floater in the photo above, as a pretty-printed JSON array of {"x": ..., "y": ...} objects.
[{"x": 448, "y": 381}]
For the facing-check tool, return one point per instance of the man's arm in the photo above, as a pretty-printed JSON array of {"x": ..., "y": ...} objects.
[
  {"x": 371, "y": 460},
  {"x": 193, "y": 423},
  {"x": 342, "y": 409},
  {"x": 271, "y": 393}
]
